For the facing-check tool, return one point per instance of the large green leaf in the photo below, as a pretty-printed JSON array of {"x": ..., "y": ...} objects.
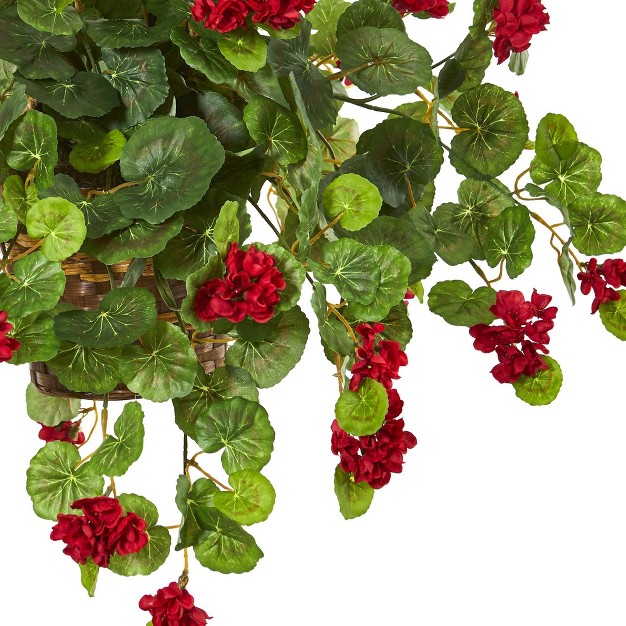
[
  {"x": 85, "y": 93},
  {"x": 91, "y": 370},
  {"x": 125, "y": 33},
  {"x": 355, "y": 199},
  {"x": 510, "y": 236},
  {"x": 163, "y": 367},
  {"x": 53, "y": 16},
  {"x": 362, "y": 412},
  {"x": 369, "y": 13},
  {"x": 244, "y": 48},
  {"x": 242, "y": 429},
  {"x": 354, "y": 499},
  {"x": 174, "y": 161},
  {"x": 39, "y": 286},
  {"x": 54, "y": 482},
  {"x": 496, "y": 124},
  {"x": 94, "y": 156},
  {"x": 391, "y": 63},
  {"x": 37, "y": 339},
  {"x": 277, "y": 129},
  {"x": 556, "y": 140},
  {"x": 252, "y": 500},
  {"x": 269, "y": 360},
  {"x": 60, "y": 223},
  {"x": 598, "y": 223},
  {"x": 123, "y": 315},
  {"x": 194, "y": 502},
  {"x": 459, "y": 305},
  {"x": 50, "y": 410},
  {"x": 543, "y": 387},
  {"x": 399, "y": 153},
  {"x": 32, "y": 140},
  {"x": 141, "y": 80},
  {"x": 224, "y": 383},
  {"x": 613, "y": 316},
  {"x": 117, "y": 453},
  {"x": 12, "y": 105},
  {"x": 139, "y": 240}
]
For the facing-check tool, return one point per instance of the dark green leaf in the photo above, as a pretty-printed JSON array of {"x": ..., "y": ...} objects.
[
  {"x": 459, "y": 305},
  {"x": 354, "y": 499},
  {"x": 451, "y": 78},
  {"x": 474, "y": 55},
  {"x": 125, "y": 33},
  {"x": 332, "y": 331},
  {"x": 598, "y": 223},
  {"x": 11, "y": 107},
  {"x": 195, "y": 503},
  {"x": 369, "y": 13},
  {"x": 556, "y": 140},
  {"x": 50, "y": 410},
  {"x": 37, "y": 339},
  {"x": 18, "y": 198},
  {"x": 566, "y": 266},
  {"x": 8, "y": 221},
  {"x": 543, "y": 387},
  {"x": 51, "y": 16}
]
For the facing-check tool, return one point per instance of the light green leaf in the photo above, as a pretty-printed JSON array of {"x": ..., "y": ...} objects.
[
  {"x": 598, "y": 223},
  {"x": 362, "y": 412},
  {"x": 37, "y": 339},
  {"x": 226, "y": 227},
  {"x": 8, "y": 221},
  {"x": 543, "y": 387},
  {"x": 49, "y": 410},
  {"x": 556, "y": 140},
  {"x": 613, "y": 316},
  {"x": 252, "y": 500},
  {"x": 324, "y": 18},
  {"x": 244, "y": 48},
  {"x": 354, "y": 198},
  {"x": 459, "y": 305},
  {"x": 369, "y": 13},
  {"x": 89, "y": 576},
  {"x": 19, "y": 198},
  {"x": 95, "y": 156},
  {"x": 354, "y": 499}
]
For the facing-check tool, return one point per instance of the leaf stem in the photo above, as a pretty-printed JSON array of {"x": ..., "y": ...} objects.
[
  {"x": 202, "y": 471},
  {"x": 333, "y": 309},
  {"x": 97, "y": 192},
  {"x": 370, "y": 107},
  {"x": 327, "y": 227},
  {"x": 556, "y": 235}
]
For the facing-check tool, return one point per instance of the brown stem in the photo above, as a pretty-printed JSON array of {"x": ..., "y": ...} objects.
[
  {"x": 205, "y": 473},
  {"x": 327, "y": 227},
  {"x": 338, "y": 374},
  {"x": 96, "y": 192},
  {"x": 556, "y": 235},
  {"x": 333, "y": 309}
]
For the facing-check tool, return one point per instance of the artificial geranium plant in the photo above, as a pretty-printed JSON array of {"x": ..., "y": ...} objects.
[{"x": 139, "y": 135}]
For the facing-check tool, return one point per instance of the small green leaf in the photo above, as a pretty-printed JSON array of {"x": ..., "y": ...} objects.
[
  {"x": 93, "y": 157},
  {"x": 324, "y": 18},
  {"x": 49, "y": 410},
  {"x": 18, "y": 198},
  {"x": 252, "y": 500},
  {"x": 117, "y": 454},
  {"x": 455, "y": 301},
  {"x": 613, "y": 316},
  {"x": 543, "y": 387},
  {"x": 89, "y": 576},
  {"x": 8, "y": 221},
  {"x": 36, "y": 336},
  {"x": 354, "y": 499},
  {"x": 244, "y": 48},
  {"x": 566, "y": 266},
  {"x": 11, "y": 106},
  {"x": 226, "y": 227},
  {"x": 53, "y": 482},
  {"x": 354, "y": 198},
  {"x": 333, "y": 333},
  {"x": 556, "y": 140},
  {"x": 362, "y": 412},
  {"x": 194, "y": 502},
  {"x": 195, "y": 281}
]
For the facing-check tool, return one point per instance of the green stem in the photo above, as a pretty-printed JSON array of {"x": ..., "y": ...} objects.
[{"x": 370, "y": 107}]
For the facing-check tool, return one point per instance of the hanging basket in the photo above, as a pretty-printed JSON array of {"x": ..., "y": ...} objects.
[{"x": 87, "y": 282}]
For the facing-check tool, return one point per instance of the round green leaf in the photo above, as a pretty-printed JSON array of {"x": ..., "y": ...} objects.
[
  {"x": 58, "y": 18},
  {"x": 89, "y": 370},
  {"x": 613, "y": 316},
  {"x": 147, "y": 560},
  {"x": 270, "y": 360},
  {"x": 174, "y": 160},
  {"x": 40, "y": 285},
  {"x": 125, "y": 33},
  {"x": 252, "y": 500},
  {"x": 49, "y": 410},
  {"x": 598, "y": 223},
  {"x": 240, "y": 427},
  {"x": 60, "y": 223},
  {"x": 362, "y": 412},
  {"x": 95, "y": 156},
  {"x": 543, "y": 387},
  {"x": 391, "y": 62},
  {"x": 37, "y": 339},
  {"x": 556, "y": 140},
  {"x": 245, "y": 49},
  {"x": 354, "y": 499},
  {"x": 496, "y": 124},
  {"x": 369, "y": 13},
  {"x": 459, "y": 305},
  {"x": 142, "y": 507},
  {"x": 163, "y": 367},
  {"x": 124, "y": 315},
  {"x": 354, "y": 198},
  {"x": 53, "y": 482}
]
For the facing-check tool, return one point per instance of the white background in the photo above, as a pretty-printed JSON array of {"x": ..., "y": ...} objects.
[{"x": 505, "y": 514}]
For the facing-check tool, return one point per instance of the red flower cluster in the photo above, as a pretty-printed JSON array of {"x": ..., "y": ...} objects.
[
  {"x": 102, "y": 531},
  {"x": 611, "y": 274},
  {"x": 226, "y": 15},
  {"x": 516, "y": 22},
  {"x": 173, "y": 606},
  {"x": 434, "y": 8},
  {"x": 8, "y": 345},
  {"x": 69, "y": 432},
  {"x": 250, "y": 287},
  {"x": 374, "y": 458},
  {"x": 521, "y": 328}
]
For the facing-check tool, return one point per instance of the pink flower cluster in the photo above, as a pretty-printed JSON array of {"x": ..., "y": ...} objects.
[
  {"x": 8, "y": 345},
  {"x": 602, "y": 280}
]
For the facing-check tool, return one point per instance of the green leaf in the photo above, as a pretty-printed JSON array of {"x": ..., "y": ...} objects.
[
  {"x": 349, "y": 266},
  {"x": 270, "y": 360},
  {"x": 8, "y": 221},
  {"x": 195, "y": 281},
  {"x": 89, "y": 576},
  {"x": 279, "y": 130},
  {"x": 451, "y": 78},
  {"x": 123, "y": 316},
  {"x": 91, "y": 370},
  {"x": 483, "y": 15},
  {"x": 459, "y": 305},
  {"x": 95, "y": 156},
  {"x": 194, "y": 502},
  {"x": 17, "y": 197},
  {"x": 333, "y": 333},
  {"x": 252, "y": 500},
  {"x": 398, "y": 326},
  {"x": 139, "y": 240},
  {"x": 54, "y": 482},
  {"x": 613, "y": 316},
  {"x": 11, "y": 106},
  {"x": 226, "y": 227},
  {"x": 399, "y": 153},
  {"x": 165, "y": 156},
  {"x": 324, "y": 18},
  {"x": 85, "y": 93},
  {"x": 60, "y": 223},
  {"x": 354, "y": 198},
  {"x": 362, "y": 412},
  {"x": 227, "y": 547},
  {"x": 117, "y": 454},
  {"x": 474, "y": 56},
  {"x": 81, "y": 130},
  {"x": 369, "y": 13},
  {"x": 496, "y": 124},
  {"x": 556, "y": 140},
  {"x": 566, "y": 266},
  {"x": 141, "y": 80},
  {"x": 30, "y": 140},
  {"x": 49, "y": 410},
  {"x": 342, "y": 138},
  {"x": 125, "y": 33},
  {"x": 354, "y": 499},
  {"x": 391, "y": 62},
  {"x": 510, "y": 236},
  {"x": 576, "y": 176},
  {"x": 51, "y": 16},
  {"x": 543, "y": 387},
  {"x": 140, "y": 506},
  {"x": 598, "y": 224},
  {"x": 244, "y": 48},
  {"x": 395, "y": 269},
  {"x": 240, "y": 427},
  {"x": 37, "y": 339},
  {"x": 40, "y": 285}
]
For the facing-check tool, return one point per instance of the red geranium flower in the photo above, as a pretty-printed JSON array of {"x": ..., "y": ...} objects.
[
  {"x": 601, "y": 280},
  {"x": 69, "y": 432},
  {"x": 222, "y": 16},
  {"x": 434, "y": 8},
  {"x": 173, "y": 606},
  {"x": 8, "y": 345}
]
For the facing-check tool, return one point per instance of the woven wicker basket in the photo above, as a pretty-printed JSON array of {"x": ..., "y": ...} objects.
[{"x": 87, "y": 282}]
